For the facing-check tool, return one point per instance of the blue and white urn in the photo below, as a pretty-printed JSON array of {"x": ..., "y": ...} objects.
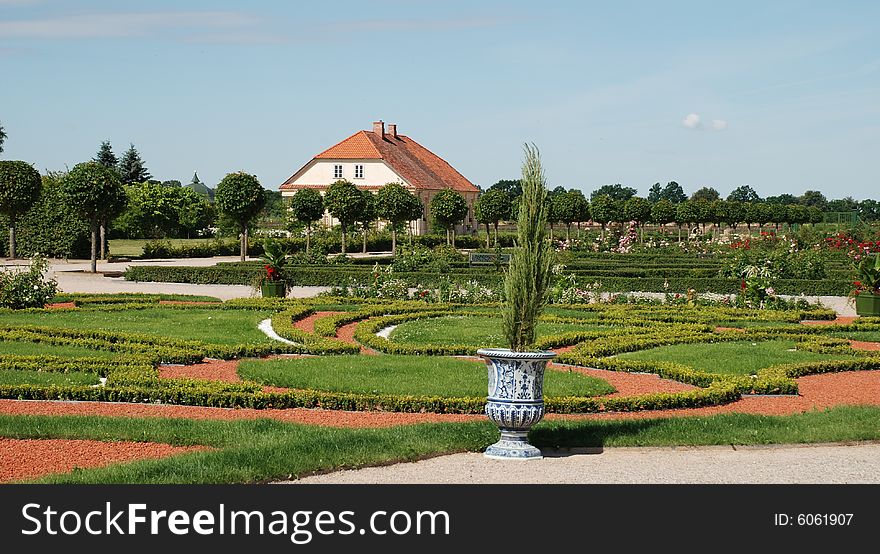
[{"x": 516, "y": 399}]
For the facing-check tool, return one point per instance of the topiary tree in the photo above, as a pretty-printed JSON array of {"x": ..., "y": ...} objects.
[
  {"x": 92, "y": 190},
  {"x": 705, "y": 194},
  {"x": 527, "y": 283},
  {"x": 687, "y": 213},
  {"x": 367, "y": 216},
  {"x": 604, "y": 210},
  {"x": 395, "y": 204},
  {"x": 415, "y": 210},
  {"x": 307, "y": 207},
  {"x": 239, "y": 198},
  {"x": 345, "y": 202},
  {"x": 581, "y": 208},
  {"x": 639, "y": 210},
  {"x": 20, "y": 186},
  {"x": 448, "y": 208},
  {"x": 663, "y": 212},
  {"x": 565, "y": 209},
  {"x": 491, "y": 207}
]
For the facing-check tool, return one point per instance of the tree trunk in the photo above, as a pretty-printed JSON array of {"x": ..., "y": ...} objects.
[
  {"x": 343, "y": 240},
  {"x": 12, "y": 239},
  {"x": 447, "y": 238},
  {"x": 103, "y": 240},
  {"x": 496, "y": 233},
  {"x": 393, "y": 241},
  {"x": 551, "y": 231},
  {"x": 453, "y": 237},
  {"x": 364, "y": 251},
  {"x": 679, "y": 234},
  {"x": 308, "y": 237},
  {"x": 242, "y": 248},
  {"x": 94, "y": 247},
  {"x": 568, "y": 231},
  {"x": 487, "y": 236},
  {"x": 579, "y": 229}
]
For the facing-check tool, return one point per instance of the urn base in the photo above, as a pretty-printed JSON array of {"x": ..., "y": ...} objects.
[{"x": 514, "y": 445}]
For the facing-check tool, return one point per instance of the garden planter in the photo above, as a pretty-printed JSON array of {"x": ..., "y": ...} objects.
[
  {"x": 868, "y": 305},
  {"x": 516, "y": 399},
  {"x": 273, "y": 289}
]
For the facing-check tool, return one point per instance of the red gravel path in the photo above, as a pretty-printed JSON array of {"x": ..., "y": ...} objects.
[
  {"x": 346, "y": 334},
  {"x": 307, "y": 323},
  {"x": 31, "y": 458},
  {"x": 61, "y": 305},
  {"x": 216, "y": 370},
  {"x": 862, "y": 345},
  {"x": 816, "y": 392}
]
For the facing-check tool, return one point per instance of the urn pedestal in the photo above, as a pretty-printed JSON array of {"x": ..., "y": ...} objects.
[
  {"x": 868, "y": 305},
  {"x": 516, "y": 399},
  {"x": 273, "y": 289}
]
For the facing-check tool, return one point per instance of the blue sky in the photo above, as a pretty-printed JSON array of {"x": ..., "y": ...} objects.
[{"x": 784, "y": 96}]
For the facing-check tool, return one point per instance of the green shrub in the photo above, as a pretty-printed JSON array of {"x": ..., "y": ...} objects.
[{"x": 28, "y": 287}]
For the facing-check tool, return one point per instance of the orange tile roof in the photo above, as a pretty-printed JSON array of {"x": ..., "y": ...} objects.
[{"x": 420, "y": 167}]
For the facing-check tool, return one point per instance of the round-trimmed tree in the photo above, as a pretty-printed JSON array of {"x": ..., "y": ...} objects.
[
  {"x": 93, "y": 191},
  {"x": 604, "y": 210},
  {"x": 345, "y": 202},
  {"x": 239, "y": 198},
  {"x": 20, "y": 186},
  {"x": 367, "y": 216},
  {"x": 307, "y": 207},
  {"x": 492, "y": 206},
  {"x": 448, "y": 208},
  {"x": 395, "y": 204},
  {"x": 663, "y": 212},
  {"x": 639, "y": 210}
]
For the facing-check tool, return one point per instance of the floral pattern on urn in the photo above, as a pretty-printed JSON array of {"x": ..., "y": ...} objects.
[{"x": 516, "y": 399}]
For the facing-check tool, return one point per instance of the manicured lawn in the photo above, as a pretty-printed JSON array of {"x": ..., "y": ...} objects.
[
  {"x": 38, "y": 349},
  {"x": 135, "y": 247},
  {"x": 738, "y": 358},
  {"x": 262, "y": 450},
  {"x": 211, "y": 326},
  {"x": 416, "y": 375},
  {"x": 16, "y": 377},
  {"x": 869, "y": 336},
  {"x": 475, "y": 330}
]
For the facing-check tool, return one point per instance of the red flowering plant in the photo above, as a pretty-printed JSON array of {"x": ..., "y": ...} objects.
[
  {"x": 274, "y": 260},
  {"x": 867, "y": 275}
]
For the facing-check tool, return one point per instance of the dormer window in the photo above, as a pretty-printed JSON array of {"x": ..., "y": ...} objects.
[
  {"x": 359, "y": 171},
  {"x": 337, "y": 171}
]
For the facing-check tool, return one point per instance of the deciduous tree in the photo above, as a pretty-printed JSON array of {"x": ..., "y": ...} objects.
[
  {"x": 307, "y": 207},
  {"x": 447, "y": 209},
  {"x": 395, "y": 204},
  {"x": 93, "y": 191},
  {"x": 239, "y": 198},
  {"x": 344, "y": 201},
  {"x": 20, "y": 186}
]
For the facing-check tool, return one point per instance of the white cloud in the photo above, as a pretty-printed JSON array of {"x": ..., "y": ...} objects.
[
  {"x": 719, "y": 124},
  {"x": 691, "y": 121},
  {"x": 107, "y": 25}
]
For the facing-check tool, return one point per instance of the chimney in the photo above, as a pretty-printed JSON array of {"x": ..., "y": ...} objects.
[
  {"x": 392, "y": 129},
  {"x": 379, "y": 128}
]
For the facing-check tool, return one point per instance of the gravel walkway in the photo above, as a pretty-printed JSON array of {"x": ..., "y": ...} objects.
[
  {"x": 720, "y": 465},
  {"x": 31, "y": 458}
]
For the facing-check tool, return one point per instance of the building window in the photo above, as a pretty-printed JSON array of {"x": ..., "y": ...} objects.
[
  {"x": 337, "y": 171},
  {"x": 359, "y": 171}
]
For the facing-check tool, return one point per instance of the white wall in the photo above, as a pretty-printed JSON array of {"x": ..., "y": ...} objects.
[{"x": 320, "y": 172}]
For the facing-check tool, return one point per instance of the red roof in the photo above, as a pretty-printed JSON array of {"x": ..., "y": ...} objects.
[{"x": 420, "y": 167}]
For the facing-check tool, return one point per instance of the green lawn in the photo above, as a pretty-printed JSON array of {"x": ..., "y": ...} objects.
[
  {"x": 135, "y": 247},
  {"x": 208, "y": 325},
  {"x": 416, "y": 375},
  {"x": 738, "y": 358},
  {"x": 869, "y": 336},
  {"x": 262, "y": 450},
  {"x": 41, "y": 349},
  {"x": 472, "y": 330},
  {"x": 17, "y": 377}
]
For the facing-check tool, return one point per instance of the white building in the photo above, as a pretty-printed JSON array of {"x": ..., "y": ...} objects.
[{"x": 370, "y": 159}]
